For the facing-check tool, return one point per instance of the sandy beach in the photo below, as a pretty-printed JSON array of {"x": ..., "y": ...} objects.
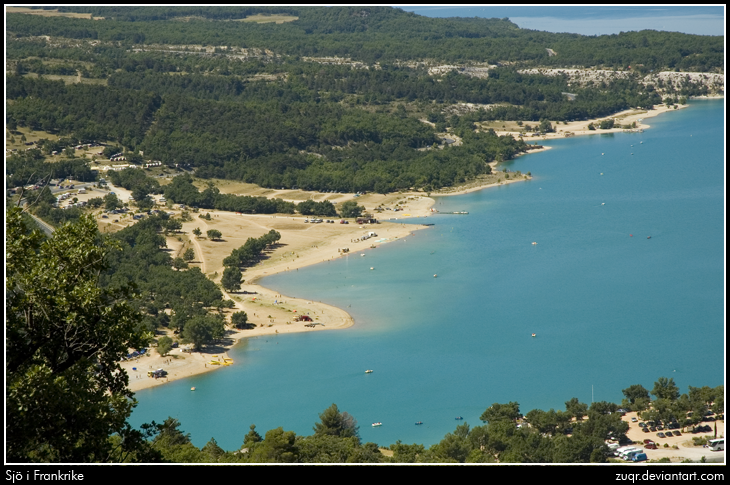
[
  {"x": 578, "y": 128},
  {"x": 302, "y": 244}
]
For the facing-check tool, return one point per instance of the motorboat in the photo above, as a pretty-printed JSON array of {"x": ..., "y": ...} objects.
[
  {"x": 375, "y": 425},
  {"x": 419, "y": 422},
  {"x": 369, "y": 371}
]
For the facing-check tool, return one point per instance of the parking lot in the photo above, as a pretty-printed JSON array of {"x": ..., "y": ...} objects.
[{"x": 685, "y": 446}]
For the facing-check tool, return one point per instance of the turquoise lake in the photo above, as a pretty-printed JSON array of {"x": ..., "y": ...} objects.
[{"x": 608, "y": 309}]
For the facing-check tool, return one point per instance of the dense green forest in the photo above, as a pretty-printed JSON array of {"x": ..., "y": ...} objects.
[
  {"x": 251, "y": 107},
  {"x": 376, "y": 34}
]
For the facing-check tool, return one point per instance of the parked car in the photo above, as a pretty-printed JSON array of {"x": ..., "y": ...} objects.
[
  {"x": 633, "y": 420},
  {"x": 660, "y": 434},
  {"x": 639, "y": 457},
  {"x": 650, "y": 446},
  {"x": 647, "y": 441},
  {"x": 677, "y": 433}
]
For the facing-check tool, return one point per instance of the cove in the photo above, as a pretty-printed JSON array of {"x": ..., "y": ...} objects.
[{"x": 609, "y": 307}]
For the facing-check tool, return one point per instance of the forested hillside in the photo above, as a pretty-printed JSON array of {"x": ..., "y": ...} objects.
[{"x": 337, "y": 98}]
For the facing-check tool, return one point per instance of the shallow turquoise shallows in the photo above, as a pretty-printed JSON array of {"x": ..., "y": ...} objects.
[{"x": 608, "y": 309}]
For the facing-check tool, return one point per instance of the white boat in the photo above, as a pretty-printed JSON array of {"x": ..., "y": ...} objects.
[
  {"x": 369, "y": 371},
  {"x": 375, "y": 425}
]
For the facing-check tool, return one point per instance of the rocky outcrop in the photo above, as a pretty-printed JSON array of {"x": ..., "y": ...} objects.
[{"x": 662, "y": 81}]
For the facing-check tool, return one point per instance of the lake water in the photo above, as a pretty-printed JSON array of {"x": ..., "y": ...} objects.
[
  {"x": 594, "y": 20},
  {"x": 609, "y": 307}
]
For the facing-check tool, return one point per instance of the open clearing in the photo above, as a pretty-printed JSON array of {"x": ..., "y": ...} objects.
[
  {"x": 69, "y": 79},
  {"x": 51, "y": 13},
  {"x": 263, "y": 19}
]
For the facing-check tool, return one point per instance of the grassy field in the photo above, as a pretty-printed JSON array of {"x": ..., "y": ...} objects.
[
  {"x": 30, "y": 136},
  {"x": 262, "y": 19},
  {"x": 69, "y": 79},
  {"x": 50, "y": 13}
]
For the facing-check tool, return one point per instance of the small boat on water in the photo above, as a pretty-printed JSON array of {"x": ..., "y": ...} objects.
[
  {"x": 369, "y": 371},
  {"x": 419, "y": 422},
  {"x": 458, "y": 418},
  {"x": 375, "y": 425},
  {"x": 534, "y": 335},
  {"x": 192, "y": 388}
]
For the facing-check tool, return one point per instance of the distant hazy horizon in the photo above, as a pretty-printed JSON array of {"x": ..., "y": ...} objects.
[{"x": 590, "y": 20}]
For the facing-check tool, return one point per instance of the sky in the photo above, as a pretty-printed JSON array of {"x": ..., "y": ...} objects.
[{"x": 594, "y": 20}]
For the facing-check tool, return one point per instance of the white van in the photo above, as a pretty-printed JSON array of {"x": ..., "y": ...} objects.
[
  {"x": 716, "y": 445},
  {"x": 627, "y": 452}
]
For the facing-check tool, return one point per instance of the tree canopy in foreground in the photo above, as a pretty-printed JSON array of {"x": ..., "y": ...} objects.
[{"x": 66, "y": 392}]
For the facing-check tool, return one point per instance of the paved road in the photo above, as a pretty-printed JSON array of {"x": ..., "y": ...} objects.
[{"x": 47, "y": 228}]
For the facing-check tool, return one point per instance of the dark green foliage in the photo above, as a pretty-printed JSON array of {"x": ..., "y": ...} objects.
[
  {"x": 327, "y": 127},
  {"x": 30, "y": 167},
  {"x": 336, "y": 423},
  {"x": 635, "y": 393},
  {"x": 666, "y": 389},
  {"x": 314, "y": 208},
  {"x": 278, "y": 446},
  {"x": 606, "y": 124},
  {"x": 182, "y": 191},
  {"x": 179, "y": 263},
  {"x": 252, "y": 436},
  {"x": 90, "y": 112},
  {"x": 66, "y": 393},
  {"x": 231, "y": 279},
  {"x": 137, "y": 181},
  {"x": 501, "y": 412},
  {"x": 111, "y": 202},
  {"x": 187, "y": 293},
  {"x": 351, "y": 209},
  {"x": 164, "y": 345},
  {"x": 202, "y": 330},
  {"x": 379, "y": 34},
  {"x": 239, "y": 320},
  {"x": 576, "y": 408},
  {"x": 251, "y": 250}
]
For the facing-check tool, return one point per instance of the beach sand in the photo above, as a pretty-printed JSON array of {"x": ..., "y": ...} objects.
[
  {"x": 578, "y": 128},
  {"x": 302, "y": 244}
]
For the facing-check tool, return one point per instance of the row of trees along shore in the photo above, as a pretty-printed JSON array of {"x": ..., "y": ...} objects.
[{"x": 78, "y": 301}]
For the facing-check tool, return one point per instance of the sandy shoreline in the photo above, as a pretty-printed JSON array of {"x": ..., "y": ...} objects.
[
  {"x": 303, "y": 244},
  {"x": 578, "y": 128}
]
